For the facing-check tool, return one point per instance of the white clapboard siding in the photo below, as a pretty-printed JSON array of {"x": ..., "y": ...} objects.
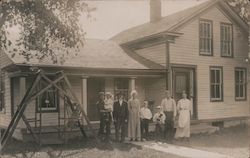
[
  {"x": 5, "y": 60},
  {"x": 48, "y": 119},
  {"x": 5, "y": 115},
  {"x": 186, "y": 51},
  {"x": 155, "y": 53}
]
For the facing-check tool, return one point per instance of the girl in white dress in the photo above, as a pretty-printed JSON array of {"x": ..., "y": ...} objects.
[{"x": 184, "y": 109}]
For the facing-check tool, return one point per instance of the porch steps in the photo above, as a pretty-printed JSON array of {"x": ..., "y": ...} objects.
[{"x": 203, "y": 128}]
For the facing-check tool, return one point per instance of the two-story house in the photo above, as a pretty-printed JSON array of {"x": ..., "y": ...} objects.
[
  {"x": 201, "y": 50},
  {"x": 204, "y": 50}
]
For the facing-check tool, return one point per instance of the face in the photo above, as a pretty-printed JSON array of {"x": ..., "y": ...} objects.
[
  {"x": 120, "y": 97},
  {"x": 102, "y": 97},
  {"x": 168, "y": 94},
  {"x": 145, "y": 104},
  {"x": 108, "y": 96},
  {"x": 184, "y": 96},
  {"x": 158, "y": 110},
  {"x": 134, "y": 95}
]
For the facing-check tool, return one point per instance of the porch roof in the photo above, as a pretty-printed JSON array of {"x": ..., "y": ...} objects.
[{"x": 103, "y": 54}]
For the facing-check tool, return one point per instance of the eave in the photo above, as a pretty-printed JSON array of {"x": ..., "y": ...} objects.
[
  {"x": 24, "y": 70},
  {"x": 152, "y": 40}
]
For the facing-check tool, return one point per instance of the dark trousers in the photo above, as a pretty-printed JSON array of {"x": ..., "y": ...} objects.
[
  {"x": 105, "y": 123},
  {"x": 144, "y": 128},
  {"x": 120, "y": 130},
  {"x": 158, "y": 131},
  {"x": 169, "y": 125}
]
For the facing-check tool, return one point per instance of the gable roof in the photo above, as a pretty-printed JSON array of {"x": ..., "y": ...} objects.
[
  {"x": 94, "y": 54},
  {"x": 165, "y": 24}
]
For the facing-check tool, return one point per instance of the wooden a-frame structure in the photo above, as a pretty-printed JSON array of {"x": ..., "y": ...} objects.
[{"x": 62, "y": 84}]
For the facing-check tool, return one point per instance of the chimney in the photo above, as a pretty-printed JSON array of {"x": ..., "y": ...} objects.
[{"x": 155, "y": 10}]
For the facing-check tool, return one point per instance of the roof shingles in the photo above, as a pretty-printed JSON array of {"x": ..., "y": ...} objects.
[{"x": 94, "y": 54}]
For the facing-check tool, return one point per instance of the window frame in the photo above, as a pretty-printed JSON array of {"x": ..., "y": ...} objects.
[
  {"x": 56, "y": 100},
  {"x": 221, "y": 99},
  {"x": 232, "y": 40},
  {"x": 244, "y": 84},
  {"x": 202, "y": 53}
]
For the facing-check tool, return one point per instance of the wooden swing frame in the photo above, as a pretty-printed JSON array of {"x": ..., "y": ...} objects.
[{"x": 65, "y": 92}]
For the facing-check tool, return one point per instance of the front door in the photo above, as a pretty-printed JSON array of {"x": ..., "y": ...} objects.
[
  {"x": 184, "y": 80},
  {"x": 95, "y": 85}
]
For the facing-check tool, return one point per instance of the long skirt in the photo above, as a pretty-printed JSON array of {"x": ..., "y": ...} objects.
[
  {"x": 134, "y": 127},
  {"x": 183, "y": 129}
]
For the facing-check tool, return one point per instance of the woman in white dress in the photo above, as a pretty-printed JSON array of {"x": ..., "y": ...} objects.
[
  {"x": 134, "y": 130},
  {"x": 184, "y": 109}
]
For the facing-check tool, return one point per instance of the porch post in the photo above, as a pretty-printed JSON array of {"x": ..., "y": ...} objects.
[
  {"x": 132, "y": 83},
  {"x": 22, "y": 88},
  {"x": 84, "y": 97},
  {"x": 22, "y": 82},
  {"x": 168, "y": 69}
]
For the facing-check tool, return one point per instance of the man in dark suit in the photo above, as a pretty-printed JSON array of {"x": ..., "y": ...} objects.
[{"x": 120, "y": 116}]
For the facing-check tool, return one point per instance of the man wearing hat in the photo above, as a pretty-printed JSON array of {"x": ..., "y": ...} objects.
[
  {"x": 105, "y": 115},
  {"x": 169, "y": 107},
  {"x": 120, "y": 116}
]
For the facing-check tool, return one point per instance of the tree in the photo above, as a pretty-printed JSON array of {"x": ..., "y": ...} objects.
[
  {"x": 242, "y": 7},
  {"x": 43, "y": 25}
]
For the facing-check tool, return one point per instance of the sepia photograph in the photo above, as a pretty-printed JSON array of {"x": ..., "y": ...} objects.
[{"x": 124, "y": 78}]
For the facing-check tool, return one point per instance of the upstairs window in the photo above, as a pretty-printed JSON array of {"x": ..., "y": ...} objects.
[
  {"x": 206, "y": 37},
  {"x": 226, "y": 44},
  {"x": 216, "y": 84},
  {"x": 240, "y": 84}
]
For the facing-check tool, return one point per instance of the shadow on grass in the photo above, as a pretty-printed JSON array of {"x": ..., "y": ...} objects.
[{"x": 75, "y": 146}]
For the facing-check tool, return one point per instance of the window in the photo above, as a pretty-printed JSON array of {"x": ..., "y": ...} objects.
[
  {"x": 206, "y": 37},
  {"x": 226, "y": 33},
  {"x": 122, "y": 86},
  {"x": 240, "y": 84},
  {"x": 216, "y": 84},
  {"x": 48, "y": 101}
]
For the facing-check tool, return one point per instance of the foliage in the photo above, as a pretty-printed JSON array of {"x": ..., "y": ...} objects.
[
  {"x": 242, "y": 7},
  {"x": 44, "y": 25}
]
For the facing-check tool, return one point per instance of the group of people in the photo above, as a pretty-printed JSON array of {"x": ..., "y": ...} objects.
[{"x": 132, "y": 119}]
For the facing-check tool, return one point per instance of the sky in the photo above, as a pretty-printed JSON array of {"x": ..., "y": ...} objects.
[{"x": 114, "y": 16}]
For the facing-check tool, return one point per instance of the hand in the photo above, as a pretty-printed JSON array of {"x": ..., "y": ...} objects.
[{"x": 126, "y": 121}]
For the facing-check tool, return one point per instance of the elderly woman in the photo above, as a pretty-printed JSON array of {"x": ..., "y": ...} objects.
[
  {"x": 184, "y": 109},
  {"x": 134, "y": 130}
]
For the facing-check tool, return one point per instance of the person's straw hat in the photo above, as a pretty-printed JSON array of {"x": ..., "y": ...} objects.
[
  {"x": 101, "y": 93},
  {"x": 108, "y": 93},
  {"x": 158, "y": 107},
  {"x": 133, "y": 92}
]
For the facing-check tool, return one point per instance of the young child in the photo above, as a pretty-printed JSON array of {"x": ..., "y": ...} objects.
[
  {"x": 108, "y": 106},
  {"x": 145, "y": 116},
  {"x": 159, "y": 119}
]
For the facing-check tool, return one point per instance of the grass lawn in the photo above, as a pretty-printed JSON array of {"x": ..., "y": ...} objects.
[
  {"x": 231, "y": 141},
  {"x": 81, "y": 149}
]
